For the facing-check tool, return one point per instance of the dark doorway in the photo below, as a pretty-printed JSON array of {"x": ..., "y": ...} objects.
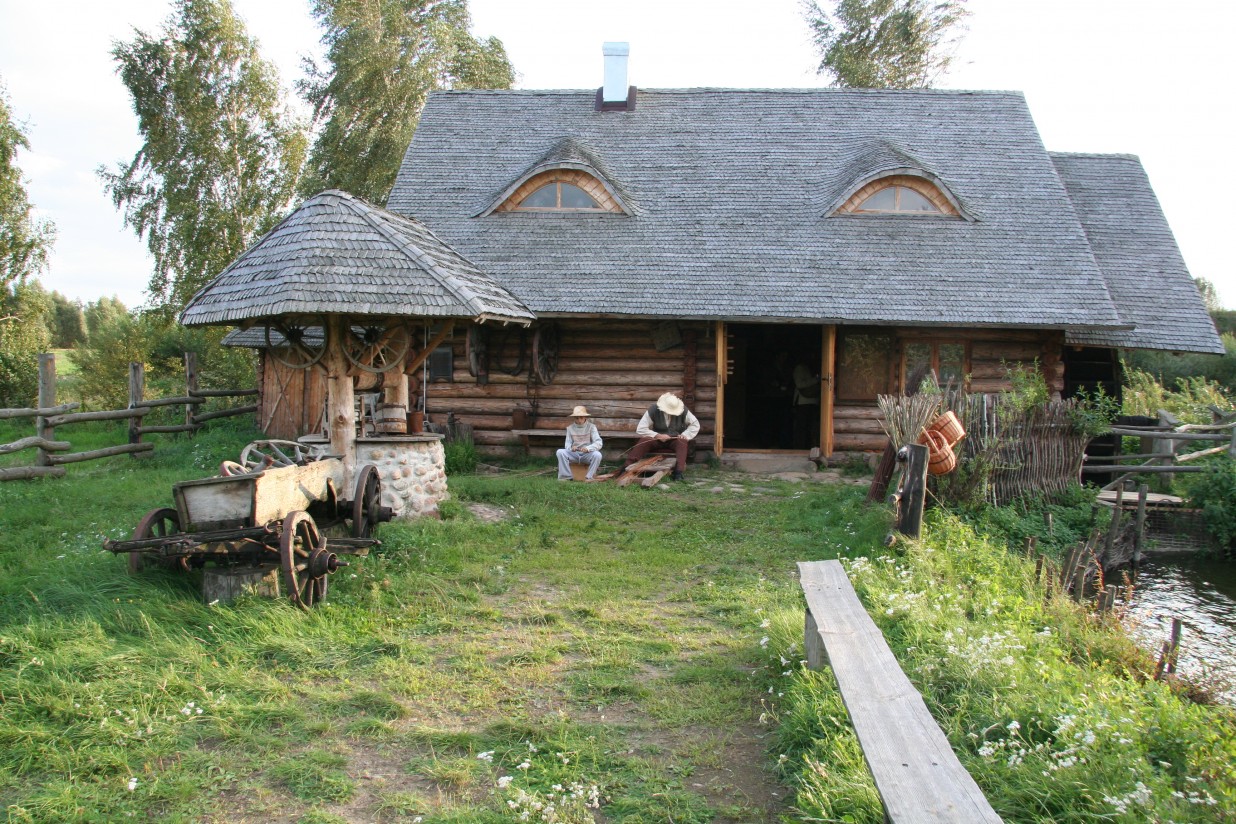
[{"x": 764, "y": 409}]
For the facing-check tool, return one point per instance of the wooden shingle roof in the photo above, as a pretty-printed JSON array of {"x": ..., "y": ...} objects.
[
  {"x": 735, "y": 190},
  {"x": 337, "y": 254}
]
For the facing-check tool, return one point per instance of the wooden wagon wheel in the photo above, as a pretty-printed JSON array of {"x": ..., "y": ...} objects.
[
  {"x": 260, "y": 455},
  {"x": 296, "y": 350},
  {"x": 157, "y": 523},
  {"x": 367, "y": 503},
  {"x": 304, "y": 560},
  {"x": 477, "y": 350},
  {"x": 545, "y": 353},
  {"x": 375, "y": 348}
]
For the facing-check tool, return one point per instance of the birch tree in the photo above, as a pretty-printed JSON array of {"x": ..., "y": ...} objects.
[
  {"x": 383, "y": 58},
  {"x": 221, "y": 152}
]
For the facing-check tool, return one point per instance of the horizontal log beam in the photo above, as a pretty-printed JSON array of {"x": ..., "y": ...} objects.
[
  {"x": 36, "y": 442},
  {"x": 225, "y": 413},
  {"x": 113, "y": 415},
  {"x": 1137, "y": 470},
  {"x": 107, "y": 452},
  {"x": 5, "y": 414},
  {"x": 18, "y": 473},
  {"x": 182, "y": 401},
  {"x": 1170, "y": 436},
  {"x": 166, "y": 430},
  {"x": 223, "y": 393}
]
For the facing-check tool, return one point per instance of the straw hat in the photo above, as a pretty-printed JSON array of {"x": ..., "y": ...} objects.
[
  {"x": 670, "y": 404},
  {"x": 581, "y": 412}
]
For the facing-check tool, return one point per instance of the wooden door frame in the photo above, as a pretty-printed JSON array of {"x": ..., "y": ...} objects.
[{"x": 722, "y": 358}]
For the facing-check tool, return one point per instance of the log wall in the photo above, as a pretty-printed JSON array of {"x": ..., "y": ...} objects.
[
  {"x": 856, "y": 426},
  {"x": 613, "y": 368}
]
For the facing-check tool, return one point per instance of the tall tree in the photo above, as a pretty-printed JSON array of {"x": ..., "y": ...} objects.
[
  {"x": 885, "y": 44},
  {"x": 25, "y": 239},
  {"x": 67, "y": 322},
  {"x": 383, "y": 58},
  {"x": 220, "y": 154}
]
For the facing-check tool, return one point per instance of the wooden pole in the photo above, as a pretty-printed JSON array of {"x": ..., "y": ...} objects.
[
  {"x": 47, "y": 399},
  {"x": 137, "y": 380},
  {"x": 1139, "y": 540},
  {"x": 340, "y": 400},
  {"x": 190, "y": 385},
  {"x": 913, "y": 493}
]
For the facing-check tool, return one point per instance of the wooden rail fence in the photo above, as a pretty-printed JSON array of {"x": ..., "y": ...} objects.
[
  {"x": 52, "y": 455},
  {"x": 1168, "y": 447}
]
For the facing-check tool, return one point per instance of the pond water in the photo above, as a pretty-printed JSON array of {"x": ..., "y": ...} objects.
[{"x": 1202, "y": 593}]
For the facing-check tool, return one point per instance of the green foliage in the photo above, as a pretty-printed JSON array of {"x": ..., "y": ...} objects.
[
  {"x": 24, "y": 309},
  {"x": 220, "y": 154},
  {"x": 1027, "y": 387},
  {"x": 102, "y": 313},
  {"x": 1048, "y": 706},
  {"x": 460, "y": 457},
  {"x": 1189, "y": 402},
  {"x": 1170, "y": 368},
  {"x": 104, "y": 362},
  {"x": 1214, "y": 492},
  {"x": 885, "y": 44},
  {"x": 384, "y": 57},
  {"x": 25, "y": 239},
  {"x": 1094, "y": 412},
  {"x": 67, "y": 322}
]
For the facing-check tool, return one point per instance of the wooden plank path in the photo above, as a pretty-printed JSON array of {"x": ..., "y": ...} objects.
[{"x": 916, "y": 771}]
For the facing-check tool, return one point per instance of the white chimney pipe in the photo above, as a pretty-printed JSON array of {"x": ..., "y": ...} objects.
[{"x": 615, "y": 89}]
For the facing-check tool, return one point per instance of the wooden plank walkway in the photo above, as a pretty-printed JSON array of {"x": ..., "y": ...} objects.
[
  {"x": 1129, "y": 499},
  {"x": 916, "y": 771}
]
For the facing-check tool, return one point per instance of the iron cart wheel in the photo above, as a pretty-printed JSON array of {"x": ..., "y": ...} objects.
[
  {"x": 157, "y": 523},
  {"x": 367, "y": 510},
  {"x": 299, "y": 343},
  {"x": 304, "y": 560}
]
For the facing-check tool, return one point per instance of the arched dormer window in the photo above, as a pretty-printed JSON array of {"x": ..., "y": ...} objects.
[
  {"x": 561, "y": 190},
  {"x": 899, "y": 195}
]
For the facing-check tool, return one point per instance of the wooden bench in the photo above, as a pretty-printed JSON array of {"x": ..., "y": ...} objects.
[
  {"x": 625, "y": 437},
  {"x": 916, "y": 772}
]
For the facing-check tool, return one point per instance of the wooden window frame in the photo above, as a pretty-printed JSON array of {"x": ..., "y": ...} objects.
[
  {"x": 920, "y": 185},
  {"x": 935, "y": 343},
  {"x": 433, "y": 373},
  {"x": 591, "y": 186}
]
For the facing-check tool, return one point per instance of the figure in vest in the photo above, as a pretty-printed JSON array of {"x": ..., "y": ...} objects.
[
  {"x": 582, "y": 446},
  {"x": 667, "y": 424}
]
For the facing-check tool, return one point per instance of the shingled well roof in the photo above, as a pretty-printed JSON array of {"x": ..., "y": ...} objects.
[{"x": 337, "y": 254}]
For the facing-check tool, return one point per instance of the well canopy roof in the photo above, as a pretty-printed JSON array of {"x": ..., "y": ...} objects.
[{"x": 337, "y": 254}]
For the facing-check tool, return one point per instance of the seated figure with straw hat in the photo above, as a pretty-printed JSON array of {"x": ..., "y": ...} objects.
[
  {"x": 583, "y": 445},
  {"x": 667, "y": 424}
]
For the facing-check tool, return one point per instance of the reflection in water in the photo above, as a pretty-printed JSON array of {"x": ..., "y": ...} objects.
[{"x": 1202, "y": 593}]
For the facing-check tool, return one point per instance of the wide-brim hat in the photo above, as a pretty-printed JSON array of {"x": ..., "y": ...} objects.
[
  {"x": 670, "y": 404},
  {"x": 581, "y": 412}
]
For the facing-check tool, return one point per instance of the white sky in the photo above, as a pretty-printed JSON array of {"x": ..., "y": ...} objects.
[{"x": 1133, "y": 76}]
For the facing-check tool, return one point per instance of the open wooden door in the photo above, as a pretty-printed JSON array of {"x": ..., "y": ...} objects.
[
  {"x": 827, "y": 365},
  {"x": 723, "y": 361}
]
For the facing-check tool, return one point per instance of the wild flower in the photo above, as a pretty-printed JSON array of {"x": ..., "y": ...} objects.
[{"x": 487, "y": 756}]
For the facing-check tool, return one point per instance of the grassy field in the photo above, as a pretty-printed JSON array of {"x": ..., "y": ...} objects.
[
  {"x": 557, "y": 653},
  {"x": 571, "y": 635}
]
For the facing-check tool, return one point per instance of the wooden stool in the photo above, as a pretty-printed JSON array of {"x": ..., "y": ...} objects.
[{"x": 579, "y": 471}]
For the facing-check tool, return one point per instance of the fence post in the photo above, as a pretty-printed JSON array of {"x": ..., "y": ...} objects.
[
  {"x": 1140, "y": 539},
  {"x": 137, "y": 385},
  {"x": 913, "y": 491},
  {"x": 190, "y": 388},
  {"x": 47, "y": 399}
]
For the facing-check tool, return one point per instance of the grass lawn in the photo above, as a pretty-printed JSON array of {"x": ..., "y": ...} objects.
[{"x": 543, "y": 648}]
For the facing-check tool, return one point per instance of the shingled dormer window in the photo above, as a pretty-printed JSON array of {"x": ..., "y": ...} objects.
[
  {"x": 561, "y": 190},
  {"x": 899, "y": 195}
]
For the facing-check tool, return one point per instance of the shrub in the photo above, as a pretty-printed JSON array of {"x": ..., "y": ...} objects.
[
  {"x": 460, "y": 457},
  {"x": 1214, "y": 492}
]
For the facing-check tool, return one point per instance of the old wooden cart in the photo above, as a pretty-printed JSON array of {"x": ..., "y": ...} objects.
[{"x": 271, "y": 509}]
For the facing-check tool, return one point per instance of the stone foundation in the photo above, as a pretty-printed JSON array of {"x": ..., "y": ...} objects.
[{"x": 412, "y": 469}]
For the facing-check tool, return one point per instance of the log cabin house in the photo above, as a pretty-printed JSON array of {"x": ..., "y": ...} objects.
[{"x": 702, "y": 240}]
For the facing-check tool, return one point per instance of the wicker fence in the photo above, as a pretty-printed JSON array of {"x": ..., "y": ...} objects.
[{"x": 51, "y": 455}]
